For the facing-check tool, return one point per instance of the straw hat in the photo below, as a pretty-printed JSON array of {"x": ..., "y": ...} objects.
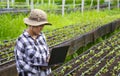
[{"x": 37, "y": 17}]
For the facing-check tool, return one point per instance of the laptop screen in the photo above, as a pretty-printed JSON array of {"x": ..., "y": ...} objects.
[{"x": 58, "y": 55}]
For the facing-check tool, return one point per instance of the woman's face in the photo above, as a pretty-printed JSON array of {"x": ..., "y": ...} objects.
[{"x": 37, "y": 29}]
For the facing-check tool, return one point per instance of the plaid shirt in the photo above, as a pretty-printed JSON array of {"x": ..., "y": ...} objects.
[{"x": 30, "y": 53}]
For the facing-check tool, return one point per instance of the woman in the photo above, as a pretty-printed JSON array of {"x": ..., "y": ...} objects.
[{"x": 31, "y": 50}]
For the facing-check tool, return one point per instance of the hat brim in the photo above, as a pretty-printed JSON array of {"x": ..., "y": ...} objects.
[{"x": 35, "y": 23}]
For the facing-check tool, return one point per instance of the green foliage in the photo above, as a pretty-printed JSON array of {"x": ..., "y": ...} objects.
[
  {"x": 46, "y": 6},
  {"x": 12, "y": 25},
  {"x": 19, "y": 0},
  {"x": 59, "y": 2},
  {"x": 88, "y": 2}
]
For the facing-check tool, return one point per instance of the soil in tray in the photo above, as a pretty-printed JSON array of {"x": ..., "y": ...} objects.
[
  {"x": 83, "y": 69},
  {"x": 103, "y": 63},
  {"x": 74, "y": 65},
  {"x": 89, "y": 56},
  {"x": 110, "y": 68},
  {"x": 77, "y": 64},
  {"x": 95, "y": 70}
]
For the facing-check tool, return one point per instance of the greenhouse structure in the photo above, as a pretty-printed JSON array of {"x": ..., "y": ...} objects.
[{"x": 91, "y": 29}]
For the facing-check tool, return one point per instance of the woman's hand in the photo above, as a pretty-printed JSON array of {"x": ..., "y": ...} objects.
[{"x": 48, "y": 58}]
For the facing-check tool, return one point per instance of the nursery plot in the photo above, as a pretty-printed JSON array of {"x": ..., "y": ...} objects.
[
  {"x": 102, "y": 59},
  {"x": 6, "y": 44},
  {"x": 6, "y": 51},
  {"x": 6, "y": 55}
]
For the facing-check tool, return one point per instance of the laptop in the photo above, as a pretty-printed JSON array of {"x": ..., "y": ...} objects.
[{"x": 58, "y": 55}]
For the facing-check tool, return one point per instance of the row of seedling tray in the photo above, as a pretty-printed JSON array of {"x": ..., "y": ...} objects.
[{"x": 102, "y": 59}]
